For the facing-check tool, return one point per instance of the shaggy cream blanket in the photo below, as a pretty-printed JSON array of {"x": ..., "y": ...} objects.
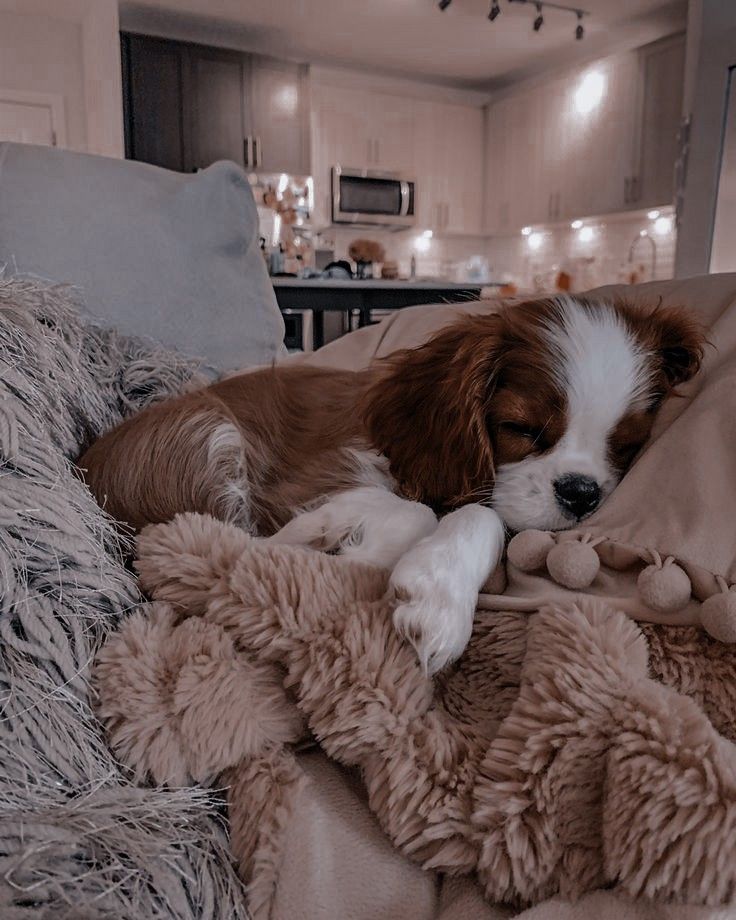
[{"x": 568, "y": 750}]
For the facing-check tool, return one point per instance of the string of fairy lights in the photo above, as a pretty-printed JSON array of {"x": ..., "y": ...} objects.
[{"x": 540, "y": 6}]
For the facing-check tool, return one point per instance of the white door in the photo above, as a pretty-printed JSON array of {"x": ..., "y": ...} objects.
[
  {"x": 710, "y": 64},
  {"x": 723, "y": 253},
  {"x": 26, "y": 122}
]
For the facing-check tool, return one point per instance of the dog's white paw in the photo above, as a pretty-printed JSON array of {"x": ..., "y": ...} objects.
[{"x": 433, "y": 611}]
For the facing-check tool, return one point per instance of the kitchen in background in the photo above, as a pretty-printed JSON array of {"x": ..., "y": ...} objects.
[{"x": 561, "y": 182}]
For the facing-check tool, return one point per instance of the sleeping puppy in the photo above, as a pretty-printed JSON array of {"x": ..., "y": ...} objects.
[{"x": 523, "y": 418}]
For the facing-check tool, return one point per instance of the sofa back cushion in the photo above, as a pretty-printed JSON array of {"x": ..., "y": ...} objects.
[{"x": 155, "y": 253}]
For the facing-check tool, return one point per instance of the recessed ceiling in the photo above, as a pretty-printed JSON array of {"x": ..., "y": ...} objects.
[{"x": 413, "y": 38}]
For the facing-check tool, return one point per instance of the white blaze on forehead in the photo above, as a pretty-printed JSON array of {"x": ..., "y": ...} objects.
[
  {"x": 602, "y": 370},
  {"x": 604, "y": 374}
]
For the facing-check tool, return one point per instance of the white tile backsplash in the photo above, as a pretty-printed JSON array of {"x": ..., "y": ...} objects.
[
  {"x": 437, "y": 257},
  {"x": 597, "y": 253}
]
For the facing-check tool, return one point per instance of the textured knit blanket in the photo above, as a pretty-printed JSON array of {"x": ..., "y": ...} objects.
[{"x": 78, "y": 839}]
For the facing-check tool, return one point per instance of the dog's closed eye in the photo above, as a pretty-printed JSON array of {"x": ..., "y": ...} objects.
[{"x": 530, "y": 432}]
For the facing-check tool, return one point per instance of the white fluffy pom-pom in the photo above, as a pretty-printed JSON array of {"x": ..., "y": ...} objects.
[
  {"x": 573, "y": 564},
  {"x": 666, "y": 588},
  {"x": 718, "y": 616},
  {"x": 528, "y": 550}
]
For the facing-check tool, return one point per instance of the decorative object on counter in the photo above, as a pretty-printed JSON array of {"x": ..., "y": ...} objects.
[
  {"x": 476, "y": 270},
  {"x": 539, "y": 6},
  {"x": 563, "y": 281},
  {"x": 390, "y": 270},
  {"x": 339, "y": 269},
  {"x": 364, "y": 253}
]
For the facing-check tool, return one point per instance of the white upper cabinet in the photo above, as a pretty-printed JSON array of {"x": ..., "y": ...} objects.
[
  {"x": 279, "y": 113},
  {"x": 662, "y": 66},
  {"x": 514, "y": 163},
  {"x": 390, "y": 128},
  {"x": 358, "y": 129},
  {"x": 589, "y": 132},
  {"x": 449, "y": 167},
  {"x": 596, "y": 141},
  {"x": 440, "y": 144}
]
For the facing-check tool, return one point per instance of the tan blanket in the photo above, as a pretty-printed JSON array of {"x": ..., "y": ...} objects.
[{"x": 548, "y": 761}]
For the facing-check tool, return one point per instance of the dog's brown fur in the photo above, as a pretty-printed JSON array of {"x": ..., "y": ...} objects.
[{"x": 258, "y": 447}]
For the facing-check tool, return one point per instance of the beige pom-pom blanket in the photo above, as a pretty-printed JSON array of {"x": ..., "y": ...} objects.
[
  {"x": 548, "y": 761},
  {"x": 583, "y": 741}
]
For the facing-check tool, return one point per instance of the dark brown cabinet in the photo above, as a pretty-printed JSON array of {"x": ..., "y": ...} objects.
[
  {"x": 153, "y": 101},
  {"x": 188, "y": 105}
]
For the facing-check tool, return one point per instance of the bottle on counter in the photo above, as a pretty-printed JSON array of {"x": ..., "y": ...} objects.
[{"x": 276, "y": 266}]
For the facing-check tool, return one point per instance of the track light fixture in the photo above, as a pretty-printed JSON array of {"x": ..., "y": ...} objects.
[
  {"x": 443, "y": 4},
  {"x": 540, "y": 7}
]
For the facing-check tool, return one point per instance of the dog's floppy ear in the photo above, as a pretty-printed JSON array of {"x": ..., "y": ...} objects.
[
  {"x": 426, "y": 412},
  {"x": 677, "y": 341},
  {"x": 681, "y": 345}
]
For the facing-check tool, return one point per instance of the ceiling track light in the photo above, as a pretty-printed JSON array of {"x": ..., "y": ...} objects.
[{"x": 540, "y": 5}]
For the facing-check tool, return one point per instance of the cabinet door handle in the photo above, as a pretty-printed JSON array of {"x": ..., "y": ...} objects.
[
  {"x": 557, "y": 205},
  {"x": 626, "y": 190},
  {"x": 635, "y": 188},
  {"x": 246, "y": 151},
  {"x": 257, "y": 152}
]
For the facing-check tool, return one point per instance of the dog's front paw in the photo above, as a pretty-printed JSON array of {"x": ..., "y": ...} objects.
[{"x": 433, "y": 611}]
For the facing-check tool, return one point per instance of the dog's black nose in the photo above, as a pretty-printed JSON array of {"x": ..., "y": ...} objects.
[{"x": 577, "y": 495}]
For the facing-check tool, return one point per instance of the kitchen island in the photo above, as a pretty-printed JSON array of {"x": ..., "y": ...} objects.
[{"x": 361, "y": 298}]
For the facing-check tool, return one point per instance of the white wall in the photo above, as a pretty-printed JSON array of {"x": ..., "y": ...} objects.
[
  {"x": 71, "y": 48},
  {"x": 45, "y": 55},
  {"x": 103, "y": 79}
]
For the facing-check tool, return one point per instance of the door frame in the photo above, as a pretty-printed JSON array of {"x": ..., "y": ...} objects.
[
  {"x": 697, "y": 211},
  {"x": 52, "y": 101}
]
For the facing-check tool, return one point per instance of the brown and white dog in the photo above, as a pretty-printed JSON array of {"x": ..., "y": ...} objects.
[{"x": 523, "y": 418}]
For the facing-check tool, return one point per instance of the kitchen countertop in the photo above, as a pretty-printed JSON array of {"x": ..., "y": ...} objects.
[
  {"x": 378, "y": 284},
  {"x": 361, "y": 298}
]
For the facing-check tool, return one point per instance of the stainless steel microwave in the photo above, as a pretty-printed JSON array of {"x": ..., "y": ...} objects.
[{"x": 365, "y": 196}]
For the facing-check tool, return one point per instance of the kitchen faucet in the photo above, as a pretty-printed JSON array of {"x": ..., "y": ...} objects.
[{"x": 644, "y": 234}]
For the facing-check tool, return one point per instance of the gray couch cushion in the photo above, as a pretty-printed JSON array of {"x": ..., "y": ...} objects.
[{"x": 155, "y": 253}]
